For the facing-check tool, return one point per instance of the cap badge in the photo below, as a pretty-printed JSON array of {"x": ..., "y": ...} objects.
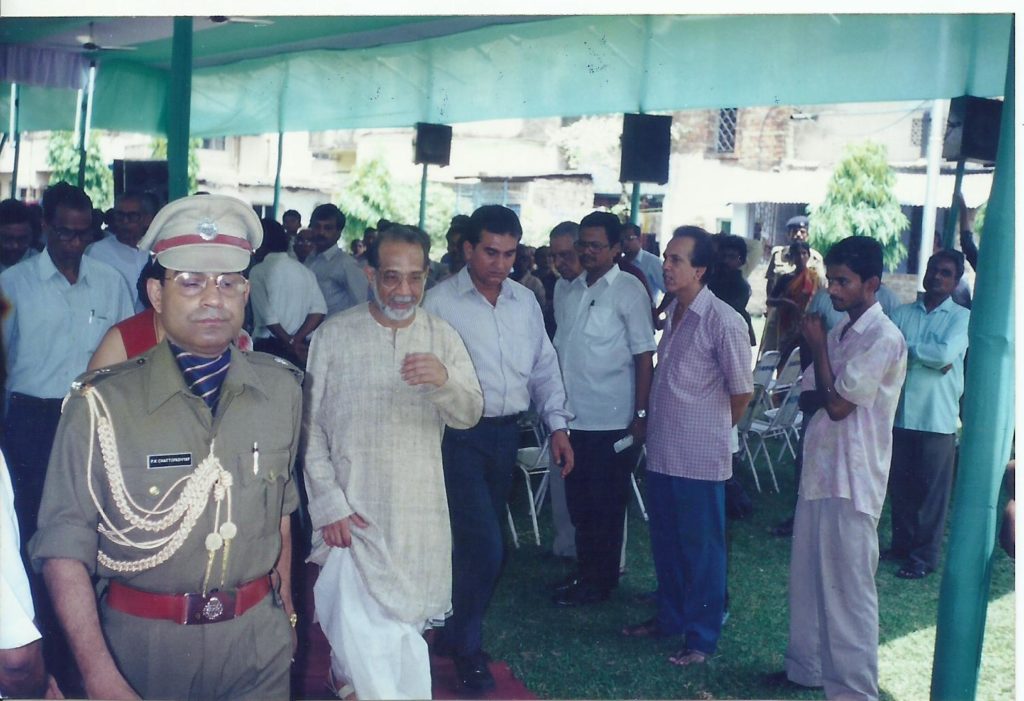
[{"x": 207, "y": 229}]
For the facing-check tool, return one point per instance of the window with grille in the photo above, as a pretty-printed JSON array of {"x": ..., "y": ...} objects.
[
  {"x": 217, "y": 143},
  {"x": 725, "y": 138}
]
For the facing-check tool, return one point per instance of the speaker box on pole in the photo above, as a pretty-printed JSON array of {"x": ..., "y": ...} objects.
[
  {"x": 646, "y": 142},
  {"x": 141, "y": 176},
  {"x": 972, "y": 129},
  {"x": 433, "y": 143}
]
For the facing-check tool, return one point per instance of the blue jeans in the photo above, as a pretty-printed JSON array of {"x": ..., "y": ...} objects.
[
  {"x": 478, "y": 468},
  {"x": 687, "y": 522}
]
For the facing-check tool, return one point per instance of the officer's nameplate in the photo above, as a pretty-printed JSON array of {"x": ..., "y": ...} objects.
[{"x": 159, "y": 462}]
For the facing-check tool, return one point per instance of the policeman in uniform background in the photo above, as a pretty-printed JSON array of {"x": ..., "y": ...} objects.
[{"x": 182, "y": 460}]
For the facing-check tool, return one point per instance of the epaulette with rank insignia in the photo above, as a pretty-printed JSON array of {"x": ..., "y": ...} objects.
[
  {"x": 93, "y": 377},
  {"x": 268, "y": 360}
]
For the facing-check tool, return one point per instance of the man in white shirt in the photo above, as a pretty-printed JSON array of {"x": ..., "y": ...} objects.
[
  {"x": 503, "y": 329},
  {"x": 133, "y": 213},
  {"x": 340, "y": 277},
  {"x": 605, "y": 348},
  {"x": 567, "y": 263},
  {"x": 21, "y": 650},
  {"x": 287, "y": 304}
]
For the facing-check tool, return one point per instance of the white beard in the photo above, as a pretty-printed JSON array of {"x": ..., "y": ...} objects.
[{"x": 391, "y": 312}]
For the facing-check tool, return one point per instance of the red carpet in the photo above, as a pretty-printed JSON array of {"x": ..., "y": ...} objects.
[{"x": 309, "y": 674}]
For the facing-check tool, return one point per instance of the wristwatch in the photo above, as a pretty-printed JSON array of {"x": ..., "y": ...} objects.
[{"x": 641, "y": 413}]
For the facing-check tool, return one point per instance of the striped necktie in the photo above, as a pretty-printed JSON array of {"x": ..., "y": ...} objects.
[{"x": 204, "y": 376}]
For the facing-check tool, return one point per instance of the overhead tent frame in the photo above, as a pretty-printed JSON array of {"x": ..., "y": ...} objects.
[
  {"x": 593, "y": 65},
  {"x": 565, "y": 66}
]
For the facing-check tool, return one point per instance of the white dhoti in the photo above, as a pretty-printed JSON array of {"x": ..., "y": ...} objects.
[{"x": 382, "y": 657}]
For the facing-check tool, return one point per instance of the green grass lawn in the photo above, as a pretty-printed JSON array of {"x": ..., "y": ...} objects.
[{"x": 579, "y": 653}]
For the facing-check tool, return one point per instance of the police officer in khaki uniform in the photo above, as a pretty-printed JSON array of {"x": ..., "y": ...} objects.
[
  {"x": 779, "y": 264},
  {"x": 171, "y": 481}
]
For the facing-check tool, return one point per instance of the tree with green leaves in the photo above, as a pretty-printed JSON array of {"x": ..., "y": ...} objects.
[
  {"x": 371, "y": 194},
  {"x": 860, "y": 202},
  {"x": 62, "y": 157}
]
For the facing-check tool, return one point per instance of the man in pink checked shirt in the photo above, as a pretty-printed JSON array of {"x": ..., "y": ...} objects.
[{"x": 702, "y": 385}]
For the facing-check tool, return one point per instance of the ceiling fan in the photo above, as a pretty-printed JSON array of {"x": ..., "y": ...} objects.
[
  {"x": 224, "y": 19},
  {"x": 88, "y": 43}
]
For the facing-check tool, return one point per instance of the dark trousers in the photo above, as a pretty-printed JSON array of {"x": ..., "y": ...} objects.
[
  {"x": 687, "y": 522},
  {"x": 29, "y": 429},
  {"x": 920, "y": 478},
  {"x": 597, "y": 491},
  {"x": 478, "y": 465}
]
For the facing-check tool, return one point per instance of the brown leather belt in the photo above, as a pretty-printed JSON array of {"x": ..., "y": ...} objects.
[{"x": 188, "y": 609}]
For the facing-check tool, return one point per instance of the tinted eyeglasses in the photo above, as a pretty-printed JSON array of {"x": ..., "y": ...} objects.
[{"x": 230, "y": 285}]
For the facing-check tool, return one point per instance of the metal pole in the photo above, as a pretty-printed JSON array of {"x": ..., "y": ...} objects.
[
  {"x": 634, "y": 205},
  {"x": 83, "y": 132},
  {"x": 179, "y": 102},
  {"x": 931, "y": 190},
  {"x": 17, "y": 139},
  {"x": 423, "y": 198},
  {"x": 988, "y": 419},
  {"x": 277, "y": 175},
  {"x": 954, "y": 208}
]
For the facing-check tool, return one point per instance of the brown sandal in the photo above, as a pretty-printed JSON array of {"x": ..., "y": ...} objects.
[{"x": 687, "y": 657}]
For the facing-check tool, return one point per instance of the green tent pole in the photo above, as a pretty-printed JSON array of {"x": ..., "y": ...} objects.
[
  {"x": 179, "y": 102},
  {"x": 83, "y": 133},
  {"x": 988, "y": 418},
  {"x": 634, "y": 204},
  {"x": 16, "y": 137},
  {"x": 423, "y": 198}
]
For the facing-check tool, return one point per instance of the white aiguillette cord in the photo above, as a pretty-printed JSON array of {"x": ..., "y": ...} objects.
[{"x": 209, "y": 477}]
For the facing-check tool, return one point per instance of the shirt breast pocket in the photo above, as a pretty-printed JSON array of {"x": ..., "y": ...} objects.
[
  {"x": 263, "y": 488},
  {"x": 600, "y": 323}
]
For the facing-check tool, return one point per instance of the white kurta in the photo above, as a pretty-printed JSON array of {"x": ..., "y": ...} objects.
[{"x": 374, "y": 448}]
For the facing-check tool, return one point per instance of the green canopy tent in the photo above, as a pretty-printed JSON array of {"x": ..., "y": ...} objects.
[{"x": 315, "y": 73}]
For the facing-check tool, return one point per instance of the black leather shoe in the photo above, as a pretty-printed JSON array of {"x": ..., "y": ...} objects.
[
  {"x": 563, "y": 585},
  {"x": 472, "y": 672},
  {"x": 580, "y": 595}
]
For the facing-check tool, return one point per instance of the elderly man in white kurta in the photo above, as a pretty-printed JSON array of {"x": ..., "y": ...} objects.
[{"x": 384, "y": 378}]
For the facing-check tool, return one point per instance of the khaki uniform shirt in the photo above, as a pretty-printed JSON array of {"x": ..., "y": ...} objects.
[{"x": 163, "y": 432}]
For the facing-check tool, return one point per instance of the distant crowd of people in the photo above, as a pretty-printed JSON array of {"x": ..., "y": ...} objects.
[{"x": 181, "y": 380}]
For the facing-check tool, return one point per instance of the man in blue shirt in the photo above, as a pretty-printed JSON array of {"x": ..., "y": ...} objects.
[
  {"x": 924, "y": 433},
  {"x": 56, "y": 308}
]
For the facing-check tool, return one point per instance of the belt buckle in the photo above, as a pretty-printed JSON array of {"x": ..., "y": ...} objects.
[{"x": 215, "y": 607}]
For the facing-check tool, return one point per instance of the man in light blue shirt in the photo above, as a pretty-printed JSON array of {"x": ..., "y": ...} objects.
[
  {"x": 133, "y": 213},
  {"x": 502, "y": 326},
  {"x": 649, "y": 264},
  {"x": 924, "y": 433},
  {"x": 340, "y": 277},
  {"x": 57, "y": 306}
]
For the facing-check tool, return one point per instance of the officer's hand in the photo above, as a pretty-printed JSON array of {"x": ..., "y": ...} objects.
[
  {"x": 561, "y": 451},
  {"x": 339, "y": 533},
  {"x": 109, "y": 685},
  {"x": 424, "y": 369},
  {"x": 638, "y": 429}
]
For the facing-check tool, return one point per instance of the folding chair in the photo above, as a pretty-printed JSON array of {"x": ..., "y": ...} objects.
[
  {"x": 531, "y": 461},
  {"x": 754, "y": 408},
  {"x": 641, "y": 456},
  {"x": 764, "y": 374},
  {"x": 788, "y": 376},
  {"x": 777, "y": 425}
]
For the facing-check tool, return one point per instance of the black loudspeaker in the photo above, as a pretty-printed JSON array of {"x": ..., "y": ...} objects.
[
  {"x": 141, "y": 176},
  {"x": 972, "y": 130},
  {"x": 433, "y": 143},
  {"x": 646, "y": 143}
]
